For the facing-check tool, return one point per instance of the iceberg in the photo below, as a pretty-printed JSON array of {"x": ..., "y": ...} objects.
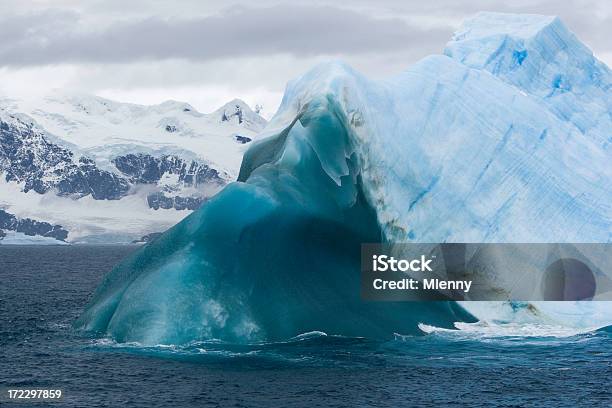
[
  {"x": 542, "y": 58},
  {"x": 468, "y": 146}
]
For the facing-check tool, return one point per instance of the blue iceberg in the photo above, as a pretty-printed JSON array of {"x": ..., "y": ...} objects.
[{"x": 504, "y": 138}]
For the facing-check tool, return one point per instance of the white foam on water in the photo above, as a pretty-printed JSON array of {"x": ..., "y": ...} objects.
[{"x": 484, "y": 329}]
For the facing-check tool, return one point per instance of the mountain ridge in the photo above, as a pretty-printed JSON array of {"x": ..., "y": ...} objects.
[{"x": 111, "y": 150}]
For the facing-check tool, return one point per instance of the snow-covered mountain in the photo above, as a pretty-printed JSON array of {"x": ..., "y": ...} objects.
[{"x": 107, "y": 171}]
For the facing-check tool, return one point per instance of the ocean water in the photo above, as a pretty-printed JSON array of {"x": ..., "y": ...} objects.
[{"x": 44, "y": 289}]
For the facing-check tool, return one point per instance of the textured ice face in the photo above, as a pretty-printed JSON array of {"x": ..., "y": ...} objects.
[
  {"x": 541, "y": 57},
  {"x": 451, "y": 153},
  {"x": 447, "y": 151}
]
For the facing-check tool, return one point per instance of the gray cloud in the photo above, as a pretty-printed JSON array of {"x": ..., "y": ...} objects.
[
  {"x": 203, "y": 52},
  {"x": 54, "y": 37}
]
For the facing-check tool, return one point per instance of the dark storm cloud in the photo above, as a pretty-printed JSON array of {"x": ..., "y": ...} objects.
[{"x": 60, "y": 37}]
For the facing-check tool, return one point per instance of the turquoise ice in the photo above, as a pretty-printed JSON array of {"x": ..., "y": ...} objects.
[{"x": 504, "y": 138}]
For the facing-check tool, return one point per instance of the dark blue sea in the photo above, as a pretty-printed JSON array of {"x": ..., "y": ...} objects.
[{"x": 43, "y": 290}]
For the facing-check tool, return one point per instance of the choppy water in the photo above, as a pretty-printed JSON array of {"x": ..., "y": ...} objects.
[{"x": 43, "y": 289}]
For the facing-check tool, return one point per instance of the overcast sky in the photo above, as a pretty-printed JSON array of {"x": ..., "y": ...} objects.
[{"x": 208, "y": 52}]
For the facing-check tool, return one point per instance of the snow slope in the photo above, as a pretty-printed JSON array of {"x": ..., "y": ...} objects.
[
  {"x": 101, "y": 128},
  {"x": 89, "y": 220}
]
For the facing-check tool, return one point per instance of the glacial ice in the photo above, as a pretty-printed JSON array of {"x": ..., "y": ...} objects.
[
  {"x": 541, "y": 57},
  {"x": 505, "y": 138}
]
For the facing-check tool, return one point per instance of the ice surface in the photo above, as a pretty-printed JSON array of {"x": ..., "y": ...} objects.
[
  {"x": 19, "y": 238},
  {"x": 450, "y": 150},
  {"x": 540, "y": 56},
  {"x": 450, "y": 153}
]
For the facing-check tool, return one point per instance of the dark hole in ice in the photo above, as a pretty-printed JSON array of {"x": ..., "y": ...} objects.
[{"x": 568, "y": 279}]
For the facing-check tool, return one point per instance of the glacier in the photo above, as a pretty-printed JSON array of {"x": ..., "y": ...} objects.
[{"x": 503, "y": 138}]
